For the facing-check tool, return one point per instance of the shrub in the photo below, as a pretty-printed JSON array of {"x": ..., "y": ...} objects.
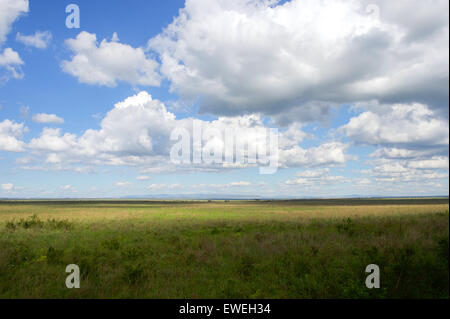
[
  {"x": 31, "y": 222},
  {"x": 34, "y": 222}
]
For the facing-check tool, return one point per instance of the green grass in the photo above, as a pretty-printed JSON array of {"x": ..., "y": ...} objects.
[{"x": 144, "y": 249}]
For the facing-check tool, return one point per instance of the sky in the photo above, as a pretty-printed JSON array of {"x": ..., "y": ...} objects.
[{"x": 356, "y": 91}]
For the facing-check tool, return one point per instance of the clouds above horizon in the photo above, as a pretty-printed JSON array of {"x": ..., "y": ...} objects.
[
  {"x": 239, "y": 57},
  {"x": 11, "y": 134},
  {"x": 358, "y": 90},
  {"x": 47, "y": 118},
  {"x": 10, "y": 11},
  {"x": 137, "y": 132},
  {"x": 412, "y": 143},
  {"x": 10, "y": 61},
  {"x": 292, "y": 61},
  {"x": 399, "y": 125},
  {"x": 315, "y": 178},
  {"x": 109, "y": 62}
]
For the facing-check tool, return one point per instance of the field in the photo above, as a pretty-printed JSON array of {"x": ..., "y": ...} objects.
[{"x": 225, "y": 249}]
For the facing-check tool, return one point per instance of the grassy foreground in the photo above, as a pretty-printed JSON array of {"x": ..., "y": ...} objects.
[{"x": 293, "y": 249}]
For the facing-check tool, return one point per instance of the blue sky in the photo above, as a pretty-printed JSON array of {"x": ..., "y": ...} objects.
[{"x": 359, "y": 97}]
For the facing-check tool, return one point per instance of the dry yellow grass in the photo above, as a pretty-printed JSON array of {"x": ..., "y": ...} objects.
[{"x": 87, "y": 213}]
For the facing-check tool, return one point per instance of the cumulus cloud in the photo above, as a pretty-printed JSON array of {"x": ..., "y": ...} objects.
[
  {"x": 40, "y": 39},
  {"x": 10, "y": 10},
  {"x": 401, "y": 171},
  {"x": 10, "y": 60},
  {"x": 53, "y": 158},
  {"x": 10, "y": 136},
  {"x": 412, "y": 139},
  {"x": 315, "y": 178},
  {"x": 10, "y": 57},
  {"x": 436, "y": 162},
  {"x": 409, "y": 165},
  {"x": 47, "y": 118},
  {"x": 7, "y": 187},
  {"x": 362, "y": 181},
  {"x": 109, "y": 62},
  {"x": 52, "y": 140},
  {"x": 158, "y": 187},
  {"x": 331, "y": 153},
  {"x": 229, "y": 185},
  {"x": 137, "y": 132},
  {"x": 401, "y": 153},
  {"x": 401, "y": 125},
  {"x": 123, "y": 184},
  {"x": 413, "y": 142},
  {"x": 239, "y": 184},
  {"x": 304, "y": 56}
]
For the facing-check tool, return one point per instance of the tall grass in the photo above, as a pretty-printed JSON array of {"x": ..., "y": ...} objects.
[{"x": 223, "y": 250}]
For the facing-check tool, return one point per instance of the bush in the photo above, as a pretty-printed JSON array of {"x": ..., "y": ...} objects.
[
  {"x": 34, "y": 222},
  {"x": 30, "y": 222}
]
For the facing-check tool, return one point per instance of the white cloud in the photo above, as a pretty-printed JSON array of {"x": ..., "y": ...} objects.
[
  {"x": 401, "y": 171},
  {"x": 10, "y": 136},
  {"x": 142, "y": 178},
  {"x": 415, "y": 165},
  {"x": 136, "y": 132},
  {"x": 47, "y": 118},
  {"x": 315, "y": 178},
  {"x": 51, "y": 140},
  {"x": 436, "y": 162},
  {"x": 330, "y": 153},
  {"x": 165, "y": 187},
  {"x": 10, "y": 10},
  {"x": 53, "y": 158},
  {"x": 404, "y": 125},
  {"x": 303, "y": 56},
  {"x": 239, "y": 184},
  {"x": 363, "y": 181},
  {"x": 7, "y": 187},
  {"x": 40, "y": 39},
  {"x": 10, "y": 57},
  {"x": 11, "y": 61},
  {"x": 109, "y": 62},
  {"x": 157, "y": 186},
  {"x": 401, "y": 153},
  {"x": 123, "y": 184}
]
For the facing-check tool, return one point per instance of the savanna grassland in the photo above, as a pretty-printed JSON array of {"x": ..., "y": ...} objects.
[{"x": 236, "y": 249}]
